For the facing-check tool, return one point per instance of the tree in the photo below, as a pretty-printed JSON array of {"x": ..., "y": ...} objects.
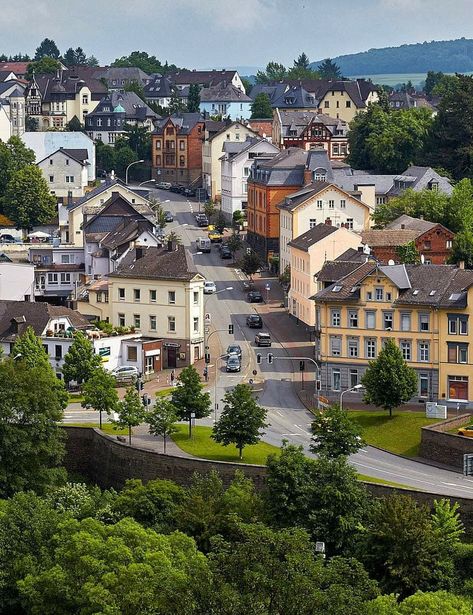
[
  {"x": 189, "y": 398},
  {"x": 27, "y": 200},
  {"x": 250, "y": 264},
  {"x": 74, "y": 125},
  {"x": 47, "y": 48},
  {"x": 123, "y": 156},
  {"x": 69, "y": 58},
  {"x": 14, "y": 156},
  {"x": 138, "y": 139},
  {"x": 174, "y": 238},
  {"x": 148, "y": 64},
  {"x": 274, "y": 72},
  {"x": 80, "y": 362},
  {"x": 220, "y": 221},
  {"x": 462, "y": 249},
  {"x": 32, "y": 442},
  {"x": 162, "y": 419},
  {"x": 45, "y": 66},
  {"x": 302, "y": 61},
  {"x": 421, "y": 603},
  {"x": 241, "y": 420},
  {"x": 209, "y": 209},
  {"x": 328, "y": 69},
  {"x": 176, "y": 104},
  {"x": 408, "y": 253},
  {"x": 334, "y": 434},
  {"x": 432, "y": 79},
  {"x": 389, "y": 381},
  {"x": 100, "y": 393},
  {"x": 234, "y": 243},
  {"x": 247, "y": 84},
  {"x": 92, "y": 61},
  {"x": 159, "y": 214},
  {"x": 29, "y": 348},
  {"x": 429, "y": 204},
  {"x": 193, "y": 99},
  {"x": 261, "y": 107},
  {"x": 459, "y": 214},
  {"x": 137, "y": 88},
  {"x": 130, "y": 411},
  {"x": 447, "y": 523},
  {"x": 105, "y": 155}
]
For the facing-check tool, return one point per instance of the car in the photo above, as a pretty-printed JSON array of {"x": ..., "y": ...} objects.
[
  {"x": 202, "y": 220},
  {"x": 234, "y": 349},
  {"x": 168, "y": 216},
  {"x": 466, "y": 431},
  {"x": 233, "y": 363},
  {"x": 254, "y": 321},
  {"x": 263, "y": 339},
  {"x": 176, "y": 188},
  {"x": 254, "y": 296},
  {"x": 126, "y": 372},
  {"x": 189, "y": 192},
  {"x": 215, "y": 236},
  {"x": 7, "y": 238},
  {"x": 225, "y": 252},
  {"x": 164, "y": 185},
  {"x": 209, "y": 287}
]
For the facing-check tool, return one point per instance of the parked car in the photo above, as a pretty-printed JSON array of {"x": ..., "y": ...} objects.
[
  {"x": 164, "y": 185},
  {"x": 215, "y": 236},
  {"x": 254, "y": 321},
  {"x": 209, "y": 287},
  {"x": 234, "y": 349},
  {"x": 254, "y": 296},
  {"x": 7, "y": 238},
  {"x": 263, "y": 339},
  {"x": 168, "y": 216},
  {"x": 233, "y": 363},
  {"x": 203, "y": 244},
  {"x": 189, "y": 192},
  {"x": 202, "y": 220},
  {"x": 177, "y": 189},
  {"x": 126, "y": 372},
  {"x": 225, "y": 252},
  {"x": 466, "y": 431}
]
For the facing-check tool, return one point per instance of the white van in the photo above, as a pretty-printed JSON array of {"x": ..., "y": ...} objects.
[{"x": 203, "y": 244}]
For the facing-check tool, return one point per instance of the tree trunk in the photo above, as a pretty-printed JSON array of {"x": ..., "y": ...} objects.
[
  {"x": 390, "y": 413},
  {"x": 129, "y": 435},
  {"x": 240, "y": 448},
  {"x": 100, "y": 419},
  {"x": 190, "y": 427},
  {"x": 164, "y": 443}
]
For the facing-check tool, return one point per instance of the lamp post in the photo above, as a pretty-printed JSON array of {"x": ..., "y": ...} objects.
[
  {"x": 357, "y": 387},
  {"x": 222, "y": 290},
  {"x": 148, "y": 181},
  {"x": 130, "y": 165}
]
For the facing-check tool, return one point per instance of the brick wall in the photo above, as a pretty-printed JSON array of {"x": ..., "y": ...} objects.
[{"x": 446, "y": 448}]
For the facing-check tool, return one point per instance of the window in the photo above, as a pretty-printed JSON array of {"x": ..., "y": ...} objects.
[
  {"x": 196, "y": 297},
  {"x": 405, "y": 321},
  {"x": 349, "y": 223},
  {"x": 51, "y": 161},
  {"x": 424, "y": 352},
  {"x": 121, "y": 294},
  {"x": 387, "y": 321},
  {"x": 388, "y": 296},
  {"x": 343, "y": 204},
  {"x": 312, "y": 222},
  {"x": 319, "y": 204},
  {"x": 352, "y": 318},
  {"x": 463, "y": 353},
  {"x": 152, "y": 323},
  {"x": 136, "y": 295},
  {"x": 158, "y": 144},
  {"x": 452, "y": 325},
  {"x": 171, "y": 324},
  {"x": 53, "y": 278},
  {"x": 69, "y": 179},
  {"x": 172, "y": 297},
  {"x": 65, "y": 259},
  {"x": 369, "y": 296},
  {"x": 335, "y": 318},
  {"x": 406, "y": 349},
  {"x": 51, "y": 179},
  {"x": 370, "y": 348},
  {"x": 58, "y": 352},
  {"x": 182, "y": 145},
  {"x": 458, "y": 387},
  {"x": 121, "y": 320},
  {"x": 85, "y": 99},
  {"x": 335, "y": 346},
  {"x": 427, "y": 245},
  {"x": 65, "y": 278},
  {"x": 448, "y": 243},
  {"x": 464, "y": 326},
  {"x": 348, "y": 104},
  {"x": 137, "y": 321},
  {"x": 370, "y": 320},
  {"x": 353, "y": 347},
  {"x": 424, "y": 322},
  {"x": 457, "y": 324},
  {"x": 354, "y": 378},
  {"x": 331, "y": 204},
  {"x": 152, "y": 296},
  {"x": 132, "y": 353},
  {"x": 423, "y": 385},
  {"x": 336, "y": 380},
  {"x": 196, "y": 324},
  {"x": 457, "y": 353},
  {"x": 379, "y": 294},
  {"x": 327, "y": 104}
]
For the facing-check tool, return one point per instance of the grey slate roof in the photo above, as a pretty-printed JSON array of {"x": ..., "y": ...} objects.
[
  {"x": 293, "y": 201},
  {"x": 135, "y": 108},
  {"x": 312, "y": 236},
  {"x": 274, "y": 92},
  {"x": 70, "y": 82},
  {"x": 123, "y": 73},
  {"x": 184, "y": 122},
  {"x": 157, "y": 264},
  {"x": 419, "y": 178},
  {"x": 335, "y": 270},
  {"x": 225, "y": 92},
  {"x": 414, "y": 224},
  {"x": 294, "y": 123},
  {"x": 295, "y": 97},
  {"x": 348, "y": 179}
]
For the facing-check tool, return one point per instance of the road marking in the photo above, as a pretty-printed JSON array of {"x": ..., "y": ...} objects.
[
  {"x": 280, "y": 413},
  {"x": 290, "y": 434}
]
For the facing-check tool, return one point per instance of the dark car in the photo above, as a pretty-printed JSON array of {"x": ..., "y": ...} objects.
[
  {"x": 263, "y": 339},
  {"x": 234, "y": 349},
  {"x": 189, "y": 192},
  {"x": 254, "y": 296},
  {"x": 202, "y": 220},
  {"x": 225, "y": 252},
  {"x": 174, "y": 188},
  {"x": 233, "y": 363},
  {"x": 254, "y": 321},
  {"x": 168, "y": 216}
]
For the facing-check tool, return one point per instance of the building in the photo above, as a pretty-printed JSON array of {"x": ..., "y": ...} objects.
[
  {"x": 310, "y": 130},
  {"x": 205, "y": 78},
  {"x": 159, "y": 292},
  {"x": 12, "y": 109},
  {"x": 407, "y": 100},
  {"x": 425, "y": 309},
  {"x": 308, "y": 252},
  {"x": 119, "y": 77},
  {"x": 212, "y": 149},
  {"x": 66, "y": 172},
  {"x": 58, "y": 271},
  {"x": 17, "y": 279},
  {"x": 235, "y": 170},
  {"x": 227, "y": 100},
  {"x": 319, "y": 202},
  {"x": 420, "y": 178},
  {"x": 432, "y": 241},
  {"x": 177, "y": 149},
  {"x": 19, "y": 69},
  {"x": 159, "y": 90}
]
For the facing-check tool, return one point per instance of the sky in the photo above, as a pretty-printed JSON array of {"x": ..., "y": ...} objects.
[{"x": 229, "y": 33}]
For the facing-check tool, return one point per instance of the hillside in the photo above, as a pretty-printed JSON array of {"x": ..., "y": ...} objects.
[{"x": 445, "y": 56}]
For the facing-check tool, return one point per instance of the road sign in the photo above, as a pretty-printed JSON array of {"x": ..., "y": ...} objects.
[
  {"x": 208, "y": 319},
  {"x": 468, "y": 464},
  {"x": 324, "y": 400}
]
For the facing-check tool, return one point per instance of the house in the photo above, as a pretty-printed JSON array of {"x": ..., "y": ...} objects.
[
  {"x": 205, "y": 78},
  {"x": 66, "y": 172},
  {"x": 177, "y": 149},
  {"x": 159, "y": 90},
  {"x": 159, "y": 292},
  {"x": 227, "y": 100},
  {"x": 13, "y": 109},
  {"x": 308, "y": 130},
  {"x": 295, "y": 98},
  {"x": 319, "y": 202},
  {"x": 236, "y": 164},
  {"x": 19, "y": 69},
  {"x": 424, "y": 309},
  {"x": 420, "y": 178},
  {"x": 407, "y": 100},
  {"x": 307, "y": 253},
  {"x": 17, "y": 279},
  {"x": 115, "y": 111},
  {"x": 263, "y": 126},
  {"x": 212, "y": 149},
  {"x": 58, "y": 271},
  {"x": 432, "y": 241},
  {"x": 119, "y": 77}
]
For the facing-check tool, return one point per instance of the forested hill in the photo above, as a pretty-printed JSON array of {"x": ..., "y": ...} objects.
[{"x": 445, "y": 56}]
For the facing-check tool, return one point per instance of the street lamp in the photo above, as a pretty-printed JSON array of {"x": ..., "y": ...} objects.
[
  {"x": 357, "y": 387},
  {"x": 130, "y": 165},
  {"x": 148, "y": 181}
]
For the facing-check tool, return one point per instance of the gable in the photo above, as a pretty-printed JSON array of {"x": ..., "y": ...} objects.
[{"x": 325, "y": 193}]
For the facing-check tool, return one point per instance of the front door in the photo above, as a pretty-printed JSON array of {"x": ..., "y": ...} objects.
[{"x": 172, "y": 357}]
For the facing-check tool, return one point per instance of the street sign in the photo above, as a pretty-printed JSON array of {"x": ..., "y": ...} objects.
[
  {"x": 208, "y": 319},
  {"x": 468, "y": 464},
  {"x": 323, "y": 400}
]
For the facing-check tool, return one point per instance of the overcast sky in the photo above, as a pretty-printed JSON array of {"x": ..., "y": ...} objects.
[{"x": 226, "y": 33}]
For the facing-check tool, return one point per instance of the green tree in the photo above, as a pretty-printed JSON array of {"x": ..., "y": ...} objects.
[
  {"x": 137, "y": 88},
  {"x": 250, "y": 264},
  {"x": 174, "y": 238},
  {"x": 447, "y": 523},
  {"x": 209, "y": 209},
  {"x": 69, "y": 58},
  {"x": 408, "y": 253},
  {"x": 302, "y": 61},
  {"x": 105, "y": 155},
  {"x": 45, "y": 66},
  {"x": 29, "y": 348},
  {"x": 274, "y": 72},
  {"x": 162, "y": 419},
  {"x": 431, "y": 81},
  {"x": 189, "y": 397},
  {"x": 460, "y": 207},
  {"x": 241, "y": 420},
  {"x": 82, "y": 501},
  {"x": 234, "y": 243},
  {"x": 47, "y": 48},
  {"x": 334, "y": 434},
  {"x": 32, "y": 442},
  {"x": 247, "y": 84},
  {"x": 462, "y": 249},
  {"x": 148, "y": 64},
  {"x": 389, "y": 381},
  {"x": 74, "y": 125},
  {"x": 14, "y": 156},
  {"x": 176, "y": 104},
  {"x": 421, "y": 603},
  {"x": 80, "y": 362},
  {"x": 158, "y": 213},
  {"x": 193, "y": 99},
  {"x": 27, "y": 200},
  {"x": 261, "y": 107},
  {"x": 123, "y": 156},
  {"x": 130, "y": 411},
  {"x": 429, "y": 204},
  {"x": 328, "y": 69},
  {"x": 100, "y": 393},
  {"x": 138, "y": 139}
]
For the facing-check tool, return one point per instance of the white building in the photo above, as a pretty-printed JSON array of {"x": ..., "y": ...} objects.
[
  {"x": 66, "y": 172},
  {"x": 17, "y": 281},
  {"x": 59, "y": 270}
]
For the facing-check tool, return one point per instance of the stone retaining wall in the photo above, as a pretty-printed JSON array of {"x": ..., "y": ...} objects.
[{"x": 446, "y": 448}]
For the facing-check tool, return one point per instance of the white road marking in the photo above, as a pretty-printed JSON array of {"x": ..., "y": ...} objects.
[{"x": 290, "y": 434}]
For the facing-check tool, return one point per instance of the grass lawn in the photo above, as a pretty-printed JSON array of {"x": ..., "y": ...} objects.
[
  {"x": 381, "y": 481},
  {"x": 165, "y": 392},
  {"x": 203, "y": 446},
  {"x": 399, "y": 434},
  {"x": 76, "y": 398},
  {"x": 106, "y": 428}
]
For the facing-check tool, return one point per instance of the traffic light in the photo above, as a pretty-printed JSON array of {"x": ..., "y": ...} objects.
[
  {"x": 270, "y": 357},
  {"x": 301, "y": 366},
  {"x": 230, "y": 329},
  {"x": 258, "y": 358},
  {"x": 207, "y": 358}
]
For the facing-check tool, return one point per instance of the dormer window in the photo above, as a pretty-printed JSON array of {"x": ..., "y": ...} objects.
[{"x": 434, "y": 186}]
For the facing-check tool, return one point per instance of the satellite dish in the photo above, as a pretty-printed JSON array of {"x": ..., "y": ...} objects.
[
  {"x": 422, "y": 258},
  {"x": 391, "y": 262}
]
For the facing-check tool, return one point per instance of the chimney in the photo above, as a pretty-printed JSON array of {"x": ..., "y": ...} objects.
[
  {"x": 328, "y": 221},
  {"x": 308, "y": 177},
  {"x": 461, "y": 265}
]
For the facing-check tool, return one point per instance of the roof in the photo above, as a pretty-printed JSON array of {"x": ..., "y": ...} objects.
[
  {"x": 283, "y": 169},
  {"x": 294, "y": 123},
  {"x": 201, "y": 77},
  {"x": 79, "y": 155},
  {"x": 335, "y": 270},
  {"x": 112, "y": 213},
  {"x": 408, "y": 222},
  {"x": 312, "y": 236},
  {"x": 70, "y": 82},
  {"x": 388, "y": 237},
  {"x": 15, "y": 67},
  {"x": 125, "y": 232},
  {"x": 183, "y": 122},
  {"x": 293, "y": 201},
  {"x": 132, "y": 105},
  {"x": 420, "y": 178},
  {"x": 157, "y": 264},
  {"x": 99, "y": 190},
  {"x": 349, "y": 179},
  {"x": 294, "y": 97},
  {"x": 158, "y": 87},
  {"x": 223, "y": 91},
  {"x": 119, "y": 73},
  {"x": 347, "y": 288},
  {"x": 352, "y": 255},
  {"x": 263, "y": 127},
  {"x": 273, "y": 91}
]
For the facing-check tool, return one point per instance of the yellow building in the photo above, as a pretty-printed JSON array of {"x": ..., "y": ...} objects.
[{"x": 424, "y": 308}]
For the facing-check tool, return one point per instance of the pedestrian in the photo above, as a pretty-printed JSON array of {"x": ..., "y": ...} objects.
[
  {"x": 206, "y": 374},
  {"x": 172, "y": 378}
]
